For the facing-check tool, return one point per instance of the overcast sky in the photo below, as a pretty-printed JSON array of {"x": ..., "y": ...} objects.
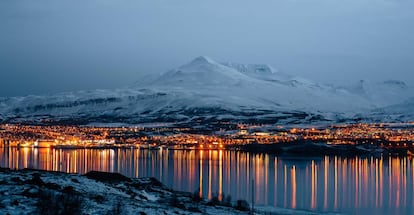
[{"x": 49, "y": 46}]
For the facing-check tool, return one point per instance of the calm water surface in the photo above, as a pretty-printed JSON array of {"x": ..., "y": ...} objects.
[{"x": 332, "y": 184}]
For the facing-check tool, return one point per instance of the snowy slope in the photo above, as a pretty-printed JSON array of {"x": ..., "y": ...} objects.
[
  {"x": 268, "y": 73},
  {"x": 384, "y": 93},
  {"x": 399, "y": 112},
  {"x": 43, "y": 192},
  {"x": 205, "y": 89}
]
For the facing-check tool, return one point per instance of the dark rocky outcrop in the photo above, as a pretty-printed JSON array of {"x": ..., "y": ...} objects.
[{"x": 107, "y": 177}]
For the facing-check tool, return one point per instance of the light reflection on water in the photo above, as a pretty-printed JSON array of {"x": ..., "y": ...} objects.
[{"x": 330, "y": 183}]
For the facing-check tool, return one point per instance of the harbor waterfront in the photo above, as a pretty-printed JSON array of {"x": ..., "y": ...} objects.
[
  {"x": 397, "y": 137},
  {"x": 356, "y": 184}
]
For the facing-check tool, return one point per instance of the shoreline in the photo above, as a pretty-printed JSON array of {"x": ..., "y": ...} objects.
[{"x": 300, "y": 149}]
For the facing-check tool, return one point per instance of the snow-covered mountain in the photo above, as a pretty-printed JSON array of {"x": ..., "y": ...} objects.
[
  {"x": 205, "y": 90},
  {"x": 399, "y": 112},
  {"x": 252, "y": 86},
  {"x": 382, "y": 94}
]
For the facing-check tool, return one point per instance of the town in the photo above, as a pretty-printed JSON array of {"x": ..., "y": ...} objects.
[{"x": 395, "y": 135}]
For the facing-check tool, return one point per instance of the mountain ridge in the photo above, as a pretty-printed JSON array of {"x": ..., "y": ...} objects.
[{"x": 204, "y": 89}]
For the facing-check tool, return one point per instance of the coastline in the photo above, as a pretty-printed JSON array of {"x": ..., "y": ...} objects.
[{"x": 300, "y": 149}]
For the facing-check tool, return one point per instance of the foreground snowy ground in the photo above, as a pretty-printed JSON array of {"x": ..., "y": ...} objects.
[{"x": 41, "y": 192}]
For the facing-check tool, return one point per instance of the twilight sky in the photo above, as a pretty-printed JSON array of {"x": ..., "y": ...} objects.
[{"x": 50, "y": 46}]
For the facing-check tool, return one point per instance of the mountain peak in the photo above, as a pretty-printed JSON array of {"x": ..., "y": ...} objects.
[
  {"x": 202, "y": 71},
  {"x": 202, "y": 60},
  {"x": 200, "y": 64}
]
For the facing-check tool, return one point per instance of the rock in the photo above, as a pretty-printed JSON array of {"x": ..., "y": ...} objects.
[
  {"x": 36, "y": 180},
  {"x": 107, "y": 177}
]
